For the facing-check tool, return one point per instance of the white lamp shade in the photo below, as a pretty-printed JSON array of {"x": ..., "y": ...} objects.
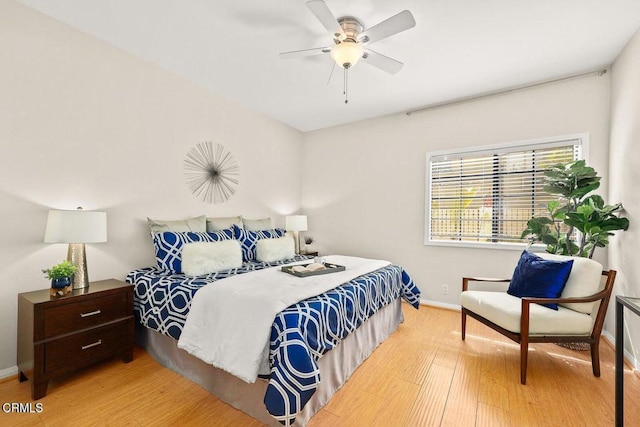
[
  {"x": 76, "y": 227},
  {"x": 296, "y": 223},
  {"x": 347, "y": 53}
]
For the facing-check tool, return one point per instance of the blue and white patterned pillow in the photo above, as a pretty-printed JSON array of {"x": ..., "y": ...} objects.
[
  {"x": 248, "y": 240},
  {"x": 168, "y": 245}
]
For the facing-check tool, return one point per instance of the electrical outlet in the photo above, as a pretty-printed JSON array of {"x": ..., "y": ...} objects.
[{"x": 445, "y": 289}]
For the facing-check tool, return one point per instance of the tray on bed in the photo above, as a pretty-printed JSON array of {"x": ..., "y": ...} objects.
[{"x": 329, "y": 268}]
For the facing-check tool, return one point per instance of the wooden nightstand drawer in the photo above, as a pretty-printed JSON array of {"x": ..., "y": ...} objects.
[
  {"x": 69, "y": 318},
  {"x": 85, "y": 347},
  {"x": 58, "y": 335}
]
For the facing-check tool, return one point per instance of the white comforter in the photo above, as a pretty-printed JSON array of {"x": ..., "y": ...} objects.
[{"x": 229, "y": 322}]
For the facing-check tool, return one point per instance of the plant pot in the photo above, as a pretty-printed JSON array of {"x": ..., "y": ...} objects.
[{"x": 60, "y": 282}]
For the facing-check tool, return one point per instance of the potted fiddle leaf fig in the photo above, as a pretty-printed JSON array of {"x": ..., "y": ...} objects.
[
  {"x": 578, "y": 222},
  {"x": 60, "y": 274}
]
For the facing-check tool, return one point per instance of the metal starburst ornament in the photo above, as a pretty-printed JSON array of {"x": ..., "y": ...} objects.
[{"x": 212, "y": 172}]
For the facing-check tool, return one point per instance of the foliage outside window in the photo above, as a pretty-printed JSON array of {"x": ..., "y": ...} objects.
[{"x": 486, "y": 196}]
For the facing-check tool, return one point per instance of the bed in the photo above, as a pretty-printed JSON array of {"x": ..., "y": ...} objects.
[{"x": 313, "y": 345}]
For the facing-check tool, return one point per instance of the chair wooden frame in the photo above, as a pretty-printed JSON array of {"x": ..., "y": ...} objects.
[{"x": 523, "y": 338}]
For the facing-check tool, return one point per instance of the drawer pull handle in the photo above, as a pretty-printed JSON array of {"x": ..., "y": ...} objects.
[
  {"x": 84, "y": 347},
  {"x": 91, "y": 313}
]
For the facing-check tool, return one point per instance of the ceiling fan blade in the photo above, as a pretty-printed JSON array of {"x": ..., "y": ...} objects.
[
  {"x": 320, "y": 9},
  {"x": 305, "y": 52},
  {"x": 394, "y": 25},
  {"x": 381, "y": 61}
]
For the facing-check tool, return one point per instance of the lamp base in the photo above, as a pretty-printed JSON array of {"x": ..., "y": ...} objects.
[
  {"x": 296, "y": 238},
  {"x": 77, "y": 256}
]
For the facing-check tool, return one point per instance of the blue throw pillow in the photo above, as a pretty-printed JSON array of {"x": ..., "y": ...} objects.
[
  {"x": 168, "y": 245},
  {"x": 538, "y": 277},
  {"x": 248, "y": 240}
]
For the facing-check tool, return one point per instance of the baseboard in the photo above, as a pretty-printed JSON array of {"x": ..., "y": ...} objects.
[
  {"x": 609, "y": 339},
  {"x": 8, "y": 373},
  {"x": 438, "y": 304},
  {"x": 629, "y": 358}
]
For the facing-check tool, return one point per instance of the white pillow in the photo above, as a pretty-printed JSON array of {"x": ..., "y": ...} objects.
[
  {"x": 197, "y": 224},
  {"x": 200, "y": 258},
  {"x": 269, "y": 250},
  {"x": 257, "y": 224},
  {"x": 221, "y": 223}
]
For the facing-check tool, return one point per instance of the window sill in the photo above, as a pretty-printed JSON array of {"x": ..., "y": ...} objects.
[{"x": 478, "y": 245}]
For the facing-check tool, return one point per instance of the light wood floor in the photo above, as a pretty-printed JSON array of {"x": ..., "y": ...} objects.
[{"x": 423, "y": 375}]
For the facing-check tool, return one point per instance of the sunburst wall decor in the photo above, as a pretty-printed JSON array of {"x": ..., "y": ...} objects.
[{"x": 211, "y": 172}]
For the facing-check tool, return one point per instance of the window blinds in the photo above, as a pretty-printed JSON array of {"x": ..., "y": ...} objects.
[{"x": 489, "y": 195}]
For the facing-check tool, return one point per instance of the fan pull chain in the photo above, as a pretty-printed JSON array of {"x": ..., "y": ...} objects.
[{"x": 346, "y": 86}]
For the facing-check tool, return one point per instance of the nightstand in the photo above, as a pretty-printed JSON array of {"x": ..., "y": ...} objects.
[{"x": 58, "y": 335}]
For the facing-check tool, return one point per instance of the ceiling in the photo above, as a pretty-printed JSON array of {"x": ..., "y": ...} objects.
[{"x": 457, "y": 48}]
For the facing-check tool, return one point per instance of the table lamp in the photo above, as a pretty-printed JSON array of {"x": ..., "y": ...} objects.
[
  {"x": 296, "y": 223},
  {"x": 76, "y": 228}
]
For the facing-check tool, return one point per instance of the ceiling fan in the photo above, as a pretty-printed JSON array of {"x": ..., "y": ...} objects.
[{"x": 351, "y": 40}]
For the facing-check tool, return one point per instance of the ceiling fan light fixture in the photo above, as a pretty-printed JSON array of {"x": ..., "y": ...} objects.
[{"x": 347, "y": 53}]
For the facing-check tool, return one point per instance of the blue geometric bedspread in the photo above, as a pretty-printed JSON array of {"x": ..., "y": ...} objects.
[
  {"x": 162, "y": 299},
  {"x": 300, "y": 334}
]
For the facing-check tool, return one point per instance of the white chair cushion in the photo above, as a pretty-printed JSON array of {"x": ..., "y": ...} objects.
[
  {"x": 504, "y": 310},
  {"x": 584, "y": 280}
]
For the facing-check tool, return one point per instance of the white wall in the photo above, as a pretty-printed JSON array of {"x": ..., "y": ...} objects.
[
  {"x": 84, "y": 124},
  {"x": 624, "y": 175},
  {"x": 364, "y": 183}
]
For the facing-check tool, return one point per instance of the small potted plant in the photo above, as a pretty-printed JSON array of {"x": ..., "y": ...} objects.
[
  {"x": 308, "y": 244},
  {"x": 60, "y": 274}
]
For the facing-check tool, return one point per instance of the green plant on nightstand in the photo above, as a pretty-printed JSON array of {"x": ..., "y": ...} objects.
[{"x": 60, "y": 274}]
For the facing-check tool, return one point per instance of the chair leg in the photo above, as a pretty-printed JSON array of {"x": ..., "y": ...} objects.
[
  {"x": 595, "y": 357},
  {"x": 524, "y": 353},
  {"x": 464, "y": 322}
]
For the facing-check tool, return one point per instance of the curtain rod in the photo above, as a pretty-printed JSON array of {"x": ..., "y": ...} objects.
[{"x": 598, "y": 73}]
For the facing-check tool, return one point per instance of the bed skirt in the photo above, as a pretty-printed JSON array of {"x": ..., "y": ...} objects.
[{"x": 336, "y": 366}]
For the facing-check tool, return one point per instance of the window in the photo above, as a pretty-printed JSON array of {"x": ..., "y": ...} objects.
[{"x": 485, "y": 196}]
